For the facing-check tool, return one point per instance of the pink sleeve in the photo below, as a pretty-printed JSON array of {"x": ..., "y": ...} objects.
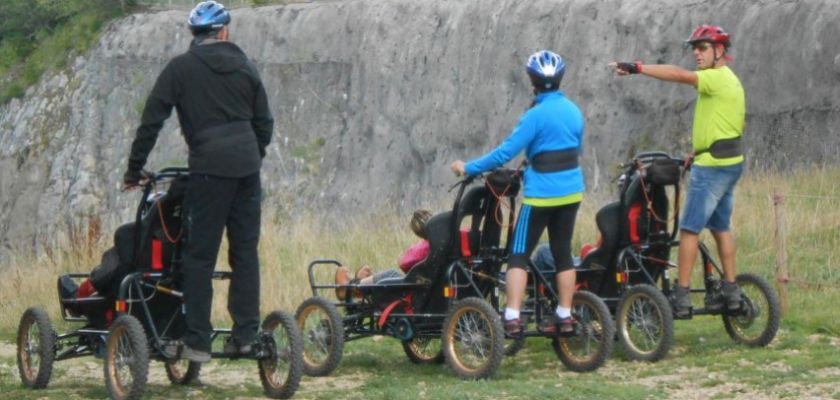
[{"x": 413, "y": 255}]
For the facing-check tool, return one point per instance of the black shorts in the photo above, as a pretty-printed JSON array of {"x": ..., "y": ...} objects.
[{"x": 531, "y": 223}]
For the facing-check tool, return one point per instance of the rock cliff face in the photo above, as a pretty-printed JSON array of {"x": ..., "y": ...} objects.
[{"x": 374, "y": 98}]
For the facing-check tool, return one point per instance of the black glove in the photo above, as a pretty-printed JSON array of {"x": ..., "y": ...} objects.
[
  {"x": 133, "y": 178},
  {"x": 630, "y": 67}
]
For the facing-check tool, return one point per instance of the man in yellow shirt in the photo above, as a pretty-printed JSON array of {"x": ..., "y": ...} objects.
[{"x": 718, "y": 159}]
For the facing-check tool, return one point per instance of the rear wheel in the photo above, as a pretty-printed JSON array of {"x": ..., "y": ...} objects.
[
  {"x": 282, "y": 370},
  {"x": 473, "y": 339},
  {"x": 755, "y": 324},
  {"x": 323, "y": 336},
  {"x": 591, "y": 343},
  {"x": 35, "y": 348},
  {"x": 182, "y": 372},
  {"x": 645, "y": 323},
  {"x": 423, "y": 350},
  {"x": 126, "y": 359}
]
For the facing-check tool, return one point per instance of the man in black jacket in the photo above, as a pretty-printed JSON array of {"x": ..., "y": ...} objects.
[{"x": 224, "y": 116}]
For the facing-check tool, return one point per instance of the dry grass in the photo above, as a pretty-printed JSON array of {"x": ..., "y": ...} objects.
[{"x": 813, "y": 225}]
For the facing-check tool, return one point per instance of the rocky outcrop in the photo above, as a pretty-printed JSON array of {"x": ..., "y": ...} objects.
[{"x": 374, "y": 99}]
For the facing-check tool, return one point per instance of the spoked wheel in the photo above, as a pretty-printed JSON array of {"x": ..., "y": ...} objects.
[
  {"x": 126, "y": 359},
  {"x": 35, "y": 348},
  {"x": 757, "y": 321},
  {"x": 592, "y": 341},
  {"x": 281, "y": 371},
  {"x": 182, "y": 372},
  {"x": 423, "y": 350},
  {"x": 323, "y": 336},
  {"x": 473, "y": 339},
  {"x": 645, "y": 323}
]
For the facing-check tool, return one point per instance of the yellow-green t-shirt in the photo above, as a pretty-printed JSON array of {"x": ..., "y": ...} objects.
[{"x": 719, "y": 113}]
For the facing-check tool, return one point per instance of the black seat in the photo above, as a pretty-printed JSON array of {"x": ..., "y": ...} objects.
[
  {"x": 639, "y": 224},
  {"x": 608, "y": 221},
  {"x": 438, "y": 233},
  {"x": 481, "y": 207}
]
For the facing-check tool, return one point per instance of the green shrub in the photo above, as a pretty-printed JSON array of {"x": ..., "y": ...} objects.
[
  {"x": 38, "y": 36},
  {"x": 13, "y": 91}
]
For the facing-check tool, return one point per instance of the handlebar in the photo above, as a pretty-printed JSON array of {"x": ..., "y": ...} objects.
[
  {"x": 166, "y": 173},
  {"x": 468, "y": 179}
]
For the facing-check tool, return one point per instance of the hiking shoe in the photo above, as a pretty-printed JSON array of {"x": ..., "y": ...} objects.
[
  {"x": 194, "y": 355},
  {"x": 554, "y": 324},
  {"x": 731, "y": 295},
  {"x": 233, "y": 348},
  {"x": 713, "y": 301},
  {"x": 680, "y": 300},
  {"x": 513, "y": 327},
  {"x": 342, "y": 277}
]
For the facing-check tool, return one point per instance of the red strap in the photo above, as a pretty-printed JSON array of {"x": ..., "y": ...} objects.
[
  {"x": 465, "y": 244},
  {"x": 157, "y": 255},
  {"x": 633, "y": 222}
]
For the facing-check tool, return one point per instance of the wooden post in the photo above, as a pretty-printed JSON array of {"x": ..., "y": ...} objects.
[{"x": 782, "y": 276}]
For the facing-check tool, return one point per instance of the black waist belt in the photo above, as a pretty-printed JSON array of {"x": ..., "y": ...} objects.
[
  {"x": 724, "y": 148},
  {"x": 220, "y": 134},
  {"x": 227, "y": 150},
  {"x": 555, "y": 161}
]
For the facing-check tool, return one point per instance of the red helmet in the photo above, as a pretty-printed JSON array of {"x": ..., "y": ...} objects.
[{"x": 709, "y": 33}]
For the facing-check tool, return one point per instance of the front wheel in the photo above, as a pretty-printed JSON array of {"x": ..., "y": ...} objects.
[
  {"x": 323, "y": 336},
  {"x": 35, "y": 348},
  {"x": 282, "y": 370},
  {"x": 588, "y": 347},
  {"x": 756, "y": 322},
  {"x": 182, "y": 372},
  {"x": 126, "y": 359},
  {"x": 473, "y": 340},
  {"x": 645, "y": 323}
]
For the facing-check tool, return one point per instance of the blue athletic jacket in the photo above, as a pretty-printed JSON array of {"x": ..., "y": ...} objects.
[{"x": 553, "y": 123}]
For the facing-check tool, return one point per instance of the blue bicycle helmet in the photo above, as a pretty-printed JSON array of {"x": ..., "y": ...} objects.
[
  {"x": 208, "y": 16},
  {"x": 546, "y": 70}
]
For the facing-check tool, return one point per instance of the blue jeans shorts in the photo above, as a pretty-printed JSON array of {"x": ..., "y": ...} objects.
[{"x": 710, "y": 198}]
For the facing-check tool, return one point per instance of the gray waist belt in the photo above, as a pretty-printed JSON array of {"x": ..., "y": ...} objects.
[
  {"x": 555, "y": 161},
  {"x": 723, "y": 148}
]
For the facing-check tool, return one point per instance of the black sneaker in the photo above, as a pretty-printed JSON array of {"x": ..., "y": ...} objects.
[
  {"x": 553, "y": 324},
  {"x": 513, "y": 327},
  {"x": 680, "y": 300},
  {"x": 235, "y": 349},
  {"x": 731, "y": 295},
  {"x": 713, "y": 301}
]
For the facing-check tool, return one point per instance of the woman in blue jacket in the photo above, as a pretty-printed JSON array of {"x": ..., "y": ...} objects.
[{"x": 551, "y": 133}]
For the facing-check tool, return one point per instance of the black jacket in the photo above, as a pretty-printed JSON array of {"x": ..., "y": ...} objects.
[{"x": 222, "y": 108}]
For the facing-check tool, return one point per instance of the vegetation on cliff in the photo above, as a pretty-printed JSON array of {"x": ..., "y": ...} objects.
[{"x": 36, "y": 36}]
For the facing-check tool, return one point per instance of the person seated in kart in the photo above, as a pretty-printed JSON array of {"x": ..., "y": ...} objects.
[
  {"x": 412, "y": 256},
  {"x": 544, "y": 261}
]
